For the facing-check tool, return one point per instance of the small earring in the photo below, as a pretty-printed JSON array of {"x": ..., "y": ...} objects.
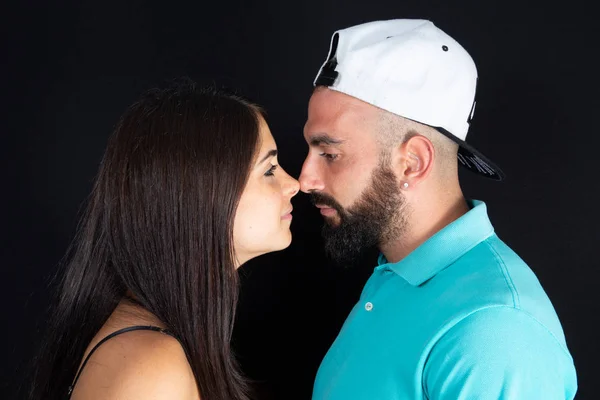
[{"x": 405, "y": 185}]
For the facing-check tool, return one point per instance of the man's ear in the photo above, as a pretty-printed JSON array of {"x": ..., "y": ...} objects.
[{"x": 414, "y": 160}]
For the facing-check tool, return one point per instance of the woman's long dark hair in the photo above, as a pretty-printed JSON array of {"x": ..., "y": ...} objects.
[{"x": 159, "y": 224}]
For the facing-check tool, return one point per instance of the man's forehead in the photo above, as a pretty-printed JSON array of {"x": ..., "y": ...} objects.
[
  {"x": 330, "y": 102},
  {"x": 337, "y": 116}
]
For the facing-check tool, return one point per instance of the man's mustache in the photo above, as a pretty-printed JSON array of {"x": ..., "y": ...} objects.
[{"x": 325, "y": 200}]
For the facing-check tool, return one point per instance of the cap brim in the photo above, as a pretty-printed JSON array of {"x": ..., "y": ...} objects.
[{"x": 473, "y": 160}]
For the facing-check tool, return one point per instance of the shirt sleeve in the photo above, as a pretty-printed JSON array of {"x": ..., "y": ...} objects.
[{"x": 499, "y": 353}]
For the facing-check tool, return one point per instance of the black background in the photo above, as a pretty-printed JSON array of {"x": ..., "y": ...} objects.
[{"x": 68, "y": 70}]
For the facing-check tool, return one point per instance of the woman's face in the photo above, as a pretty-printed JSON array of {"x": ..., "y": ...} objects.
[{"x": 263, "y": 217}]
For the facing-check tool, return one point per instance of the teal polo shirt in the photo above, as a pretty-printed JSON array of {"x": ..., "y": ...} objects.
[{"x": 461, "y": 317}]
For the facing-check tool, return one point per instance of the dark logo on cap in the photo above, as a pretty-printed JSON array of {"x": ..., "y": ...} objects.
[{"x": 328, "y": 74}]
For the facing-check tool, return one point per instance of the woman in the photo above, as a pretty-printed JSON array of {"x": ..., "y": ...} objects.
[{"x": 188, "y": 190}]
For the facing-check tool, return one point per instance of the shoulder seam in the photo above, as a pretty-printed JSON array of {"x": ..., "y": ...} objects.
[
  {"x": 518, "y": 310},
  {"x": 506, "y": 275}
]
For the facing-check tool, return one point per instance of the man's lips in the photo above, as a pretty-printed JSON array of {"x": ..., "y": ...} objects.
[{"x": 326, "y": 210}]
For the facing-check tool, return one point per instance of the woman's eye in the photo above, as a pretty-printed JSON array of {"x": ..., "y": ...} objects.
[{"x": 271, "y": 170}]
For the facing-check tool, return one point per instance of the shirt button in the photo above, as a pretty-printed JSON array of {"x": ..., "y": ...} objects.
[{"x": 368, "y": 306}]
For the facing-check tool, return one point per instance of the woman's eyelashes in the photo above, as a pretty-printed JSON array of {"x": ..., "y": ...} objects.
[{"x": 271, "y": 171}]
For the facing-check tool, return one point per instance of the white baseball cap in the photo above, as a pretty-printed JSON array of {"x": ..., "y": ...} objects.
[{"x": 413, "y": 69}]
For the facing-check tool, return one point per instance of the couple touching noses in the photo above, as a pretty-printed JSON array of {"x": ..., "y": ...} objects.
[{"x": 190, "y": 188}]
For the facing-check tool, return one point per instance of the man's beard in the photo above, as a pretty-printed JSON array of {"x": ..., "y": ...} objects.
[{"x": 377, "y": 217}]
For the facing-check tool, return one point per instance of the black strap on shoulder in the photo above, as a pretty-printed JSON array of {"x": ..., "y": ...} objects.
[{"x": 112, "y": 335}]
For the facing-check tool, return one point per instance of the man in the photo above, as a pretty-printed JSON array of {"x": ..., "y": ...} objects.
[{"x": 450, "y": 312}]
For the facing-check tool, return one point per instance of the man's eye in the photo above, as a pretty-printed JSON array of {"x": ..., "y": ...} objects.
[{"x": 328, "y": 156}]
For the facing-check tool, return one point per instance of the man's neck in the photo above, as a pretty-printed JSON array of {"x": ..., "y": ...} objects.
[{"x": 424, "y": 222}]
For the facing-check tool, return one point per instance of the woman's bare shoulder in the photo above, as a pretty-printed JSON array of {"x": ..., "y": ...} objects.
[{"x": 137, "y": 365}]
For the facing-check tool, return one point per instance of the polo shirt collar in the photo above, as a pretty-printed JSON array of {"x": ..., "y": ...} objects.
[{"x": 444, "y": 247}]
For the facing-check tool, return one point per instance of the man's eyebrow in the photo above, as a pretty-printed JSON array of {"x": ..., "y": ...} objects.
[
  {"x": 323, "y": 139},
  {"x": 271, "y": 153}
]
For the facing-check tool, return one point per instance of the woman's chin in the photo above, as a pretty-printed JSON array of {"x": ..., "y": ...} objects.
[
  {"x": 288, "y": 240},
  {"x": 283, "y": 242}
]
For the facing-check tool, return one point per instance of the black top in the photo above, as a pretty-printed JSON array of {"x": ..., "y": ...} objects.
[{"x": 112, "y": 335}]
